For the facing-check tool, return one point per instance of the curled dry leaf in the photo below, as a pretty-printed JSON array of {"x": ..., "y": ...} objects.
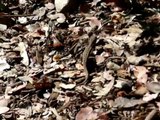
[
  {"x": 121, "y": 102},
  {"x": 60, "y": 17},
  {"x": 113, "y": 66},
  {"x": 58, "y": 117},
  {"x": 141, "y": 90},
  {"x": 3, "y": 110},
  {"x": 3, "y": 64},
  {"x": 60, "y": 4},
  {"x": 104, "y": 91},
  {"x": 18, "y": 88},
  {"x": 33, "y": 27},
  {"x": 39, "y": 13},
  {"x": 86, "y": 113},
  {"x": 4, "y": 101},
  {"x": 49, "y": 6},
  {"x": 99, "y": 59},
  {"x": 3, "y": 27},
  {"x": 120, "y": 83},
  {"x": 123, "y": 73},
  {"x": 93, "y": 22},
  {"x": 108, "y": 75},
  {"x": 26, "y": 79},
  {"x": 37, "y": 107},
  {"x": 23, "y": 53},
  {"x": 148, "y": 97},
  {"x": 67, "y": 86},
  {"x": 22, "y": 2},
  {"x": 140, "y": 73},
  {"x": 22, "y": 20},
  {"x": 158, "y": 104},
  {"x": 94, "y": 3},
  {"x": 135, "y": 60},
  {"x": 153, "y": 87}
]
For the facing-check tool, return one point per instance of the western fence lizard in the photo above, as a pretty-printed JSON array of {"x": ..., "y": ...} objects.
[{"x": 85, "y": 58}]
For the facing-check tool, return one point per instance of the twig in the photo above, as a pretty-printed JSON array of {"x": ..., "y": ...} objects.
[{"x": 151, "y": 114}]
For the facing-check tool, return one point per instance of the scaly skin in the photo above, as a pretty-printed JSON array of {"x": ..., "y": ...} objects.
[{"x": 85, "y": 59}]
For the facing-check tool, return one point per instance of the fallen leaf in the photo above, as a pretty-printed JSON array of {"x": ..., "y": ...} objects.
[
  {"x": 153, "y": 87},
  {"x": 93, "y": 22},
  {"x": 23, "y": 53},
  {"x": 158, "y": 104},
  {"x": 37, "y": 107},
  {"x": 94, "y": 3},
  {"x": 49, "y": 6},
  {"x": 67, "y": 86},
  {"x": 26, "y": 79},
  {"x": 3, "y": 64},
  {"x": 60, "y": 17},
  {"x": 39, "y": 13},
  {"x": 3, "y": 110},
  {"x": 148, "y": 97},
  {"x": 22, "y": 2},
  {"x": 104, "y": 91},
  {"x": 120, "y": 83},
  {"x": 58, "y": 117},
  {"x": 4, "y": 101},
  {"x": 108, "y": 75},
  {"x": 121, "y": 102},
  {"x": 22, "y": 20},
  {"x": 140, "y": 73},
  {"x": 59, "y": 5},
  {"x": 134, "y": 59},
  {"x": 141, "y": 90},
  {"x": 3, "y": 27},
  {"x": 86, "y": 113},
  {"x": 17, "y": 88},
  {"x": 99, "y": 59}
]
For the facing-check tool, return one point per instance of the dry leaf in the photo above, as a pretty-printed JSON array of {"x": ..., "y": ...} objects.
[
  {"x": 123, "y": 73},
  {"x": 158, "y": 104},
  {"x": 67, "y": 6},
  {"x": 39, "y": 13},
  {"x": 140, "y": 73},
  {"x": 108, "y": 75},
  {"x": 33, "y": 27},
  {"x": 58, "y": 117},
  {"x": 86, "y": 113},
  {"x": 99, "y": 59},
  {"x": 135, "y": 60},
  {"x": 22, "y": 2},
  {"x": 60, "y": 17},
  {"x": 67, "y": 86},
  {"x": 141, "y": 90},
  {"x": 4, "y": 101},
  {"x": 3, "y": 110},
  {"x": 3, "y": 64},
  {"x": 17, "y": 88},
  {"x": 22, "y": 20},
  {"x": 121, "y": 83},
  {"x": 153, "y": 87},
  {"x": 3, "y": 27},
  {"x": 148, "y": 97},
  {"x": 60, "y": 4},
  {"x": 23, "y": 53},
  {"x": 121, "y": 102},
  {"x": 49, "y": 6},
  {"x": 26, "y": 79},
  {"x": 37, "y": 107},
  {"x": 94, "y": 3},
  {"x": 104, "y": 91},
  {"x": 93, "y": 22}
]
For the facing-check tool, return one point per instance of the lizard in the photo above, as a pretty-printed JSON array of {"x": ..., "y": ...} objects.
[{"x": 85, "y": 56}]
